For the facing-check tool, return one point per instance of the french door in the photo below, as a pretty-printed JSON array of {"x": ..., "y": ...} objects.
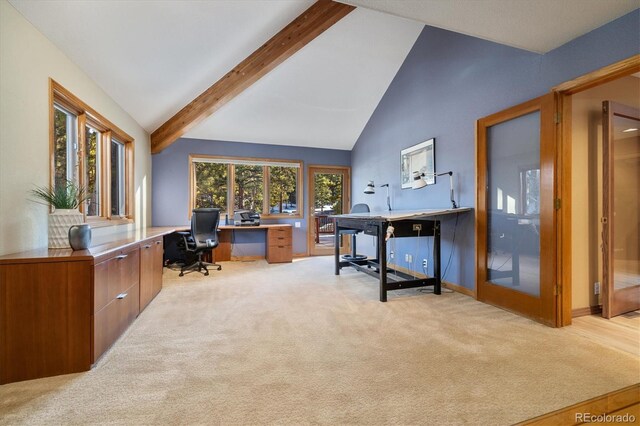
[
  {"x": 515, "y": 215},
  {"x": 621, "y": 209},
  {"x": 328, "y": 195}
]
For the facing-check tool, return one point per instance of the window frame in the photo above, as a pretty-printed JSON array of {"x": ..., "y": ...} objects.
[
  {"x": 266, "y": 163},
  {"x": 87, "y": 116}
]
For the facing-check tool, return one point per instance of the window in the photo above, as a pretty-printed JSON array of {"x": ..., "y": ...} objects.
[
  {"x": 269, "y": 187},
  {"x": 65, "y": 146},
  {"x": 92, "y": 139},
  {"x": 530, "y": 192},
  {"x": 118, "y": 180},
  {"x": 248, "y": 188},
  {"x": 211, "y": 185},
  {"x": 100, "y": 161}
]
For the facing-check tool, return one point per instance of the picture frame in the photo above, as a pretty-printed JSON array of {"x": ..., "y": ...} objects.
[{"x": 420, "y": 157}]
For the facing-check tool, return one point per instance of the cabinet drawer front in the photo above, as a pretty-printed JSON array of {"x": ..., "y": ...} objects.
[
  {"x": 279, "y": 254},
  {"x": 280, "y": 241},
  {"x": 124, "y": 271},
  {"x": 279, "y": 235},
  {"x": 110, "y": 322}
]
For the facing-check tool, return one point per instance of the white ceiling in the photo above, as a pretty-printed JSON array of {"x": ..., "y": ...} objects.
[
  {"x": 153, "y": 57},
  {"x": 324, "y": 95},
  {"x": 535, "y": 25}
]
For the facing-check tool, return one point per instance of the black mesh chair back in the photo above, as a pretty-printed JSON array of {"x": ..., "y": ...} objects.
[
  {"x": 202, "y": 238},
  {"x": 204, "y": 226},
  {"x": 360, "y": 208},
  {"x": 357, "y": 208}
]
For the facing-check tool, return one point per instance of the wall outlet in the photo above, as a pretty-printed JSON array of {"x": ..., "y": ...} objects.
[
  {"x": 408, "y": 258},
  {"x": 297, "y": 224},
  {"x": 596, "y": 288},
  {"x": 417, "y": 227},
  {"x": 425, "y": 263},
  {"x": 391, "y": 254}
]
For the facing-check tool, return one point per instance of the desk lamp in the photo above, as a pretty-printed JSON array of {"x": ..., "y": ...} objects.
[
  {"x": 371, "y": 189},
  {"x": 419, "y": 182}
]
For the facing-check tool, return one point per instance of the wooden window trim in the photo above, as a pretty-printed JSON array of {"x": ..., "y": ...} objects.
[
  {"x": 87, "y": 116},
  {"x": 231, "y": 184}
]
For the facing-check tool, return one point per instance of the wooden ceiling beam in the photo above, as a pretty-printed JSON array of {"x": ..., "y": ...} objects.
[{"x": 306, "y": 27}]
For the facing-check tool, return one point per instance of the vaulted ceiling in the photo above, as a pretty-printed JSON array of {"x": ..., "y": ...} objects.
[{"x": 154, "y": 57}]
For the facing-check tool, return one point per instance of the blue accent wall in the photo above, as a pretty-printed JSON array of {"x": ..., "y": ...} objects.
[
  {"x": 446, "y": 83},
  {"x": 170, "y": 173}
]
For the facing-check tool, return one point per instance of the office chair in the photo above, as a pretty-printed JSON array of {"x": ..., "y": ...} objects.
[
  {"x": 202, "y": 238},
  {"x": 358, "y": 208}
]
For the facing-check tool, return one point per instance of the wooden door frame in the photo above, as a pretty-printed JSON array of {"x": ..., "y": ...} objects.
[
  {"x": 544, "y": 307},
  {"x": 346, "y": 202},
  {"x": 563, "y": 93}
]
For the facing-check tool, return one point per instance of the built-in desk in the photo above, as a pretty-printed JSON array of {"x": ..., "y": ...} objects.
[
  {"x": 278, "y": 241},
  {"x": 60, "y": 309}
]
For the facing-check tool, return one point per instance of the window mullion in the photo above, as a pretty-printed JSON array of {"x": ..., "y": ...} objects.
[
  {"x": 266, "y": 202},
  {"x": 82, "y": 182},
  {"x": 105, "y": 165},
  {"x": 231, "y": 187}
]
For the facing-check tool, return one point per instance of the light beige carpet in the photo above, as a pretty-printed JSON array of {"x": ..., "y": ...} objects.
[{"x": 293, "y": 344}]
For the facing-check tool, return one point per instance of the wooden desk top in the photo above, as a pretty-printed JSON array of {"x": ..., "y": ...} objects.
[{"x": 99, "y": 247}]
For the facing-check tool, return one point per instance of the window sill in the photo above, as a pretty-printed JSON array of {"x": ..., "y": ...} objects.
[
  {"x": 281, "y": 216},
  {"x": 102, "y": 222}
]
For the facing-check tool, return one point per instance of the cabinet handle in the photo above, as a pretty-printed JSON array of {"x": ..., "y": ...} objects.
[
  {"x": 147, "y": 246},
  {"x": 122, "y": 256},
  {"x": 158, "y": 242},
  {"x": 122, "y": 295}
]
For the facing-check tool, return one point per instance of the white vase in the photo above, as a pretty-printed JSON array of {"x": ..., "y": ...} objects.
[{"x": 59, "y": 223}]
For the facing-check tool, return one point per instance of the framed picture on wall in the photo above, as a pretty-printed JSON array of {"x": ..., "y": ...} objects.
[{"x": 418, "y": 158}]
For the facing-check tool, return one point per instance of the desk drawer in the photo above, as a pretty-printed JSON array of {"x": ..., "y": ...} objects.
[
  {"x": 112, "y": 320},
  {"x": 279, "y": 253},
  {"x": 279, "y": 236}
]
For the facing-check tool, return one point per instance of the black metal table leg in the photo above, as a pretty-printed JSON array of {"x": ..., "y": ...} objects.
[
  {"x": 336, "y": 245},
  {"x": 436, "y": 258},
  {"x": 382, "y": 255}
]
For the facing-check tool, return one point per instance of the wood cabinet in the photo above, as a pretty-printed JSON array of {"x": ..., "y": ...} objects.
[
  {"x": 60, "y": 310},
  {"x": 116, "y": 297},
  {"x": 150, "y": 270},
  {"x": 279, "y": 248}
]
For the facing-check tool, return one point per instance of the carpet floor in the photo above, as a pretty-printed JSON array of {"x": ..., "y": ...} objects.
[{"x": 294, "y": 344}]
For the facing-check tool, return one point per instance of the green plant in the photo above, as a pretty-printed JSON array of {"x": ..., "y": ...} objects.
[{"x": 67, "y": 196}]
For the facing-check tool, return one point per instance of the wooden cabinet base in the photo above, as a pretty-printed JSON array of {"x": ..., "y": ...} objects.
[
  {"x": 61, "y": 310},
  {"x": 45, "y": 320}
]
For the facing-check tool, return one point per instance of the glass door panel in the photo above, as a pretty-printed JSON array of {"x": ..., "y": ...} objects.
[
  {"x": 621, "y": 225},
  {"x": 515, "y": 218},
  {"x": 328, "y": 195},
  {"x": 513, "y": 204}
]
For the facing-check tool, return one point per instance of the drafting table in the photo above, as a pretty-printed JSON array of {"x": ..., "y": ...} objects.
[{"x": 408, "y": 223}]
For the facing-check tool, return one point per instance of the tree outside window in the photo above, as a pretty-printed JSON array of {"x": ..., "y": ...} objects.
[{"x": 211, "y": 185}]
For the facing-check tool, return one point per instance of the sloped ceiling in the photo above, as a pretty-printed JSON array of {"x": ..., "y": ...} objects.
[
  {"x": 324, "y": 95},
  {"x": 535, "y": 25},
  {"x": 153, "y": 57}
]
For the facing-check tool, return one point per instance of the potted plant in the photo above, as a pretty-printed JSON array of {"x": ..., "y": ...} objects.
[{"x": 65, "y": 200}]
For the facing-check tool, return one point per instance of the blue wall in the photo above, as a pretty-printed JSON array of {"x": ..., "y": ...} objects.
[
  {"x": 446, "y": 83},
  {"x": 170, "y": 173}
]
